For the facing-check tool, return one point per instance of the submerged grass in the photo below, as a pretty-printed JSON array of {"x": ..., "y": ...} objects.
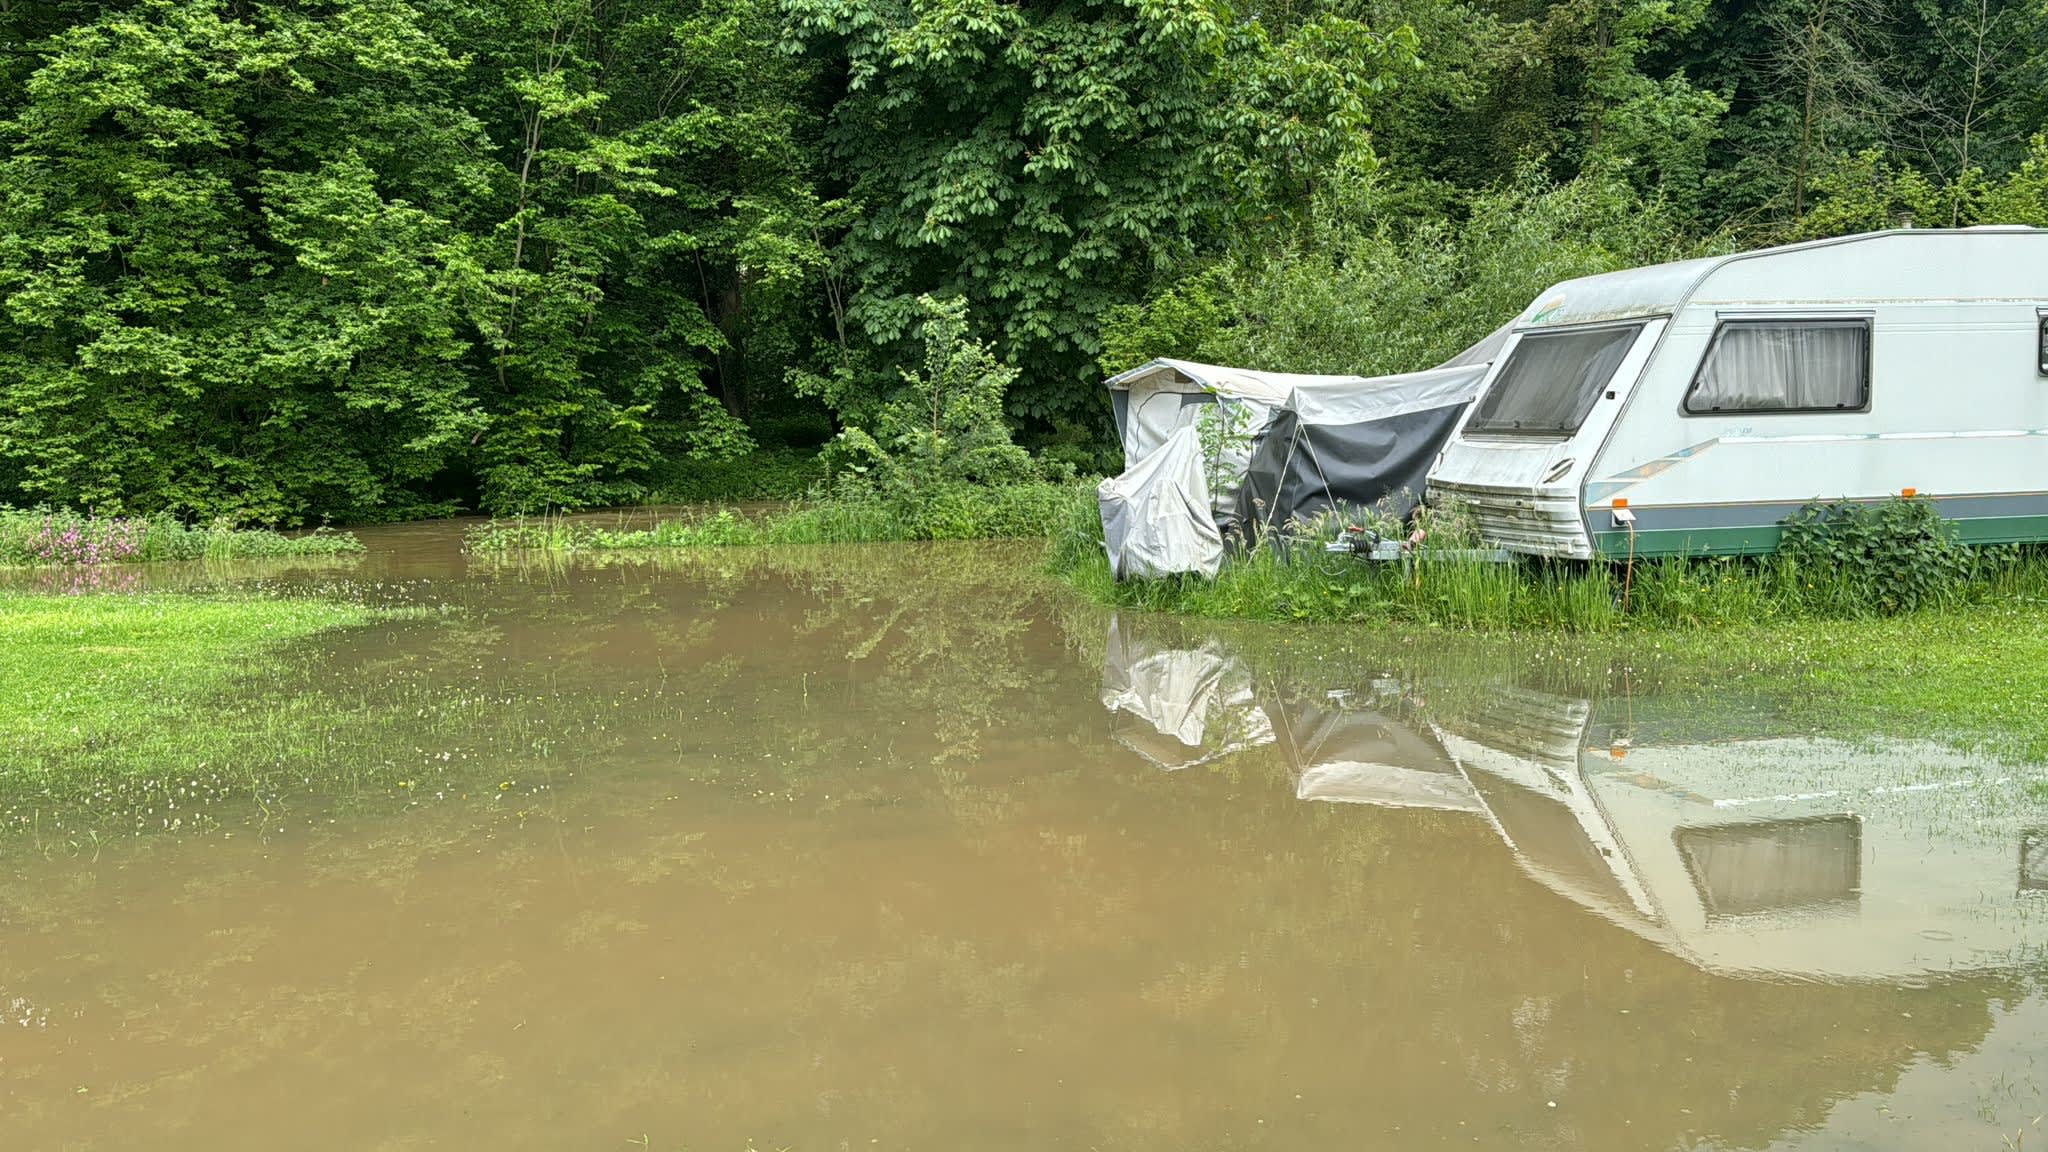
[
  {"x": 43, "y": 537},
  {"x": 83, "y": 673},
  {"x": 173, "y": 712},
  {"x": 1020, "y": 511}
]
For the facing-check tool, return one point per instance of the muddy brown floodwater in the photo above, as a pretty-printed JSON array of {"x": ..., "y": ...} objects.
[{"x": 899, "y": 849}]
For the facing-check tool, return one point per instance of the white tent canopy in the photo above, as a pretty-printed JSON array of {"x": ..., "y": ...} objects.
[
  {"x": 1152, "y": 400},
  {"x": 1348, "y": 438}
]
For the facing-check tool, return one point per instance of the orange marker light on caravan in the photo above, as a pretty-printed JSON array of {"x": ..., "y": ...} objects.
[{"x": 1909, "y": 493}]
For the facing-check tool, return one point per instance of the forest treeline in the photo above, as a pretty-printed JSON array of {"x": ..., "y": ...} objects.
[{"x": 364, "y": 259}]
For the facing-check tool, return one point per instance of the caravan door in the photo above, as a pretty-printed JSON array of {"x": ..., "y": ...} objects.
[{"x": 1518, "y": 461}]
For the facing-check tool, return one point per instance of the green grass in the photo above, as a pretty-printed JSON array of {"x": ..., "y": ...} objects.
[
  {"x": 1296, "y": 582},
  {"x": 1973, "y": 678},
  {"x": 87, "y": 673},
  {"x": 1022, "y": 511},
  {"x": 131, "y": 714},
  {"x": 43, "y": 537}
]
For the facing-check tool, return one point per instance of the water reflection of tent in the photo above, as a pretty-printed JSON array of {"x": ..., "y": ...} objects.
[
  {"x": 1180, "y": 707},
  {"x": 1365, "y": 751}
]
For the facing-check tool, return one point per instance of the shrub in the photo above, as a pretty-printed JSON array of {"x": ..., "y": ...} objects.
[
  {"x": 1850, "y": 559},
  {"x": 765, "y": 474},
  {"x": 44, "y": 537}
]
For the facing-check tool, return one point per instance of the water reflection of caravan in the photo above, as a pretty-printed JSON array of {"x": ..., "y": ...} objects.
[
  {"x": 1690, "y": 407},
  {"x": 1726, "y": 853}
]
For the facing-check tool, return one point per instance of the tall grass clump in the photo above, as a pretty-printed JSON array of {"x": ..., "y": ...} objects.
[
  {"x": 1837, "y": 561},
  {"x": 45, "y": 537}
]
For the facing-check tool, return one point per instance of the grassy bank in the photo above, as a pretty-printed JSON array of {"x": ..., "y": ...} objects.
[
  {"x": 1530, "y": 595},
  {"x": 43, "y": 537},
  {"x": 1022, "y": 511},
  {"x": 1887, "y": 560},
  {"x": 82, "y": 674}
]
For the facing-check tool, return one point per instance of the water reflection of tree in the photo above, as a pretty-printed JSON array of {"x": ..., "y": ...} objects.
[{"x": 948, "y": 640}]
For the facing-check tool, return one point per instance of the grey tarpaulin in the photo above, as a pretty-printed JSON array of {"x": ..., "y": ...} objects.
[
  {"x": 1355, "y": 445},
  {"x": 1156, "y": 518}
]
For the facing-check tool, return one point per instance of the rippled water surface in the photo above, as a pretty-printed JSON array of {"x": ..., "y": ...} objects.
[{"x": 899, "y": 848}]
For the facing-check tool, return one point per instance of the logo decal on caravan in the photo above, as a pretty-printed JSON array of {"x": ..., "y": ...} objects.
[{"x": 1544, "y": 309}]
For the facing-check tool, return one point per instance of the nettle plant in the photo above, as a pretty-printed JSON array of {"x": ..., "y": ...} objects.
[{"x": 1895, "y": 556}]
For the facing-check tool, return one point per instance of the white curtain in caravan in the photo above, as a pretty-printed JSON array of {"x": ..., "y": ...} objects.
[{"x": 1757, "y": 366}]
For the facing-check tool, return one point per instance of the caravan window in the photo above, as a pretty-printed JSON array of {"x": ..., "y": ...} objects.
[
  {"x": 1784, "y": 366},
  {"x": 1551, "y": 380}
]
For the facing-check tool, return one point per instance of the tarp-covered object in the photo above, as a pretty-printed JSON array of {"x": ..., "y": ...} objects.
[
  {"x": 1156, "y": 518},
  {"x": 1189, "y": 705},
  {"x": 1356, "y": 445},
  {"x": 1233, "y": 405}
]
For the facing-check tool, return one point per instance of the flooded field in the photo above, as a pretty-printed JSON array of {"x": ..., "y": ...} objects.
[{"x": 898, "y": 848}]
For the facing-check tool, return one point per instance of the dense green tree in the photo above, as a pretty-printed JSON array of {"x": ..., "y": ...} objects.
[
  {"x": 1047, "y": 159},
  {"x": 306, "y": 260},
  {"x": 286, "y": 260}
]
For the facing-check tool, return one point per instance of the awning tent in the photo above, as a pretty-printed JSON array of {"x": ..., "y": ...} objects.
[
  {"x": 1156, "y": 517},
  {"x": 1355, "y": 445},
  {"x": 1351, "y": 439},
  {"x": 1235, "y": 405},
  {"x": 1152, "y": 400}
]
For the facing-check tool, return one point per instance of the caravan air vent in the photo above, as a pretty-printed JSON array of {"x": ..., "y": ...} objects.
[{"x": 1558, "y": 473}]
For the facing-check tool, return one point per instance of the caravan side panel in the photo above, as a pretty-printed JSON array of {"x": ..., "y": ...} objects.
[{"x": 1957, "y": 406}]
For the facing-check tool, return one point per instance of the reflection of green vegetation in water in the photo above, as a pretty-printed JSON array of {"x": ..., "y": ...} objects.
[{"x": 934, "y": 633}]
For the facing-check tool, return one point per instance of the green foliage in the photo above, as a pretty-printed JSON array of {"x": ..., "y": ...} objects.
[
  {"x": 354, "y": 257},
  {"x": 765, "y": 474},
  {"x": 1045, "y": 160},
  {"x": 352, "y": 260},
  {"x": 1014, "y": 512},
  {"x": 43, "y": 537},
  {"x": 1895, "y": 556},
  {"x": 943, "y": 428},
  {"x": 1372, "y": 299}
]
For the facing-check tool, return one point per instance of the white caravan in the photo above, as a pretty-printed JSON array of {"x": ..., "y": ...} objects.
[{"x": 1689, "y": 408}]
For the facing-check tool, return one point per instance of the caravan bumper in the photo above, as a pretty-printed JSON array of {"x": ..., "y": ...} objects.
[{"x": 1520, "y": 520}]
